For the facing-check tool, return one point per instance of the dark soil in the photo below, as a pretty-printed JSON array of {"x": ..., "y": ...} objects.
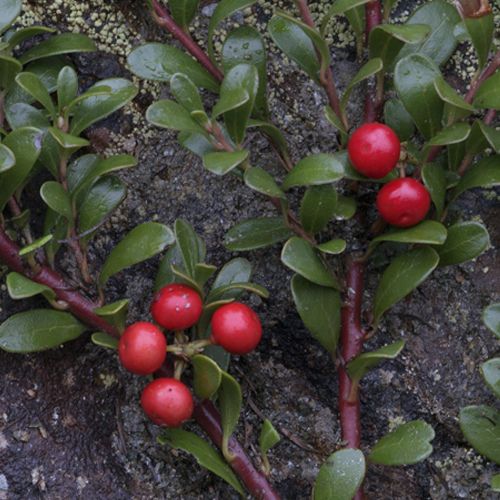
[{"x": 70, "y": 423}]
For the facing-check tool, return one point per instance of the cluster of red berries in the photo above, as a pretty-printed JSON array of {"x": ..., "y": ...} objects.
[
  {"x": 143, "y": 346},
  {"x": 374, "y": 151}
]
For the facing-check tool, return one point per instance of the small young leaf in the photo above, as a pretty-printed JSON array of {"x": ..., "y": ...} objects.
[
  {"x": 408, "y": 444},
  {"x": 38, "y": 243},
  {"x": 230, "y": 400},
  {"x": 269, "y": 437},
  {"x": 340, "y": 476},
  {"x": 346, "y": 207},
  {"x": 405, "y": 273},
  {"x": 207, "y": 376},
  {"x": 491, "y": 318},
  {"x": 191, "y": 246},
  {"x": 220, "y": 163},
  {"x": 333, "y": 247},
  {"x": 434, "y": 178},
  {"x": 38, "y": 330},
  {"x": 481, "y": 428},
  {"x": 301, "y": 257},
  {"x": 465, "y": 241},
  {"x": 67, "y": 87},
  {"x": 491, "y": 373},
  {"x": 9, "y": 10},
  {"x": 20, "y": 287},
  {"x": 157, "y": 61},
  {"x": 315, "y": 169},
  {"x": 185, "y": 92},
  {"x": 319, "y": 309},
  {"x": 142, "y": 243},
  {"x": 256, "y": 233},
  {"x": 104, "y": 340},
  {"x": 115, "y": 313},
  {"x": 57, "y": 198},
  {"x": 205, "y": 455},
  {"x": 70, "y": 143},
  {"x": 360, "y": 365},
  {"x": 318, "y": 207},
  {"x": 480, "y": 30},
  {"x": 261, "y": 181}
]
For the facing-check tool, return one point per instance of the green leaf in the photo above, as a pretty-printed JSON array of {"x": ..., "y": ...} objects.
[
  {"x": 142, "y": 243},
  {"x": 256, "y": 233},
  {"x": 337, "y": 123},
  {"x": 9, "y": 10},
  {"x": 191, "y": 246},
  {"x": 372, "y": 67},
  {"x": 414, "y": 78},
  {"x": 318, "y": 207},
  {"x": 346, "y": 207},
  {"x": 65, "y": 43},
  {"x": 97, "y": 107},
  {"x": 203, "y": 272},
  {"x": 296, "y": 45},
  {"x": 261, "y": 181},
  {"x": 9, "y": 68},
  {"x": 165, "y": 274},
  {"x": 453, "y": 134},
  {"x": 205, "y": 455},
  {"x": 339, "y": 7},
  {"x": 481, "y": 428},
  {"x": 207, "y": 376},
  {"x": 340, "y": 476},
  {"x": 230, "y": 400},
  {"x": 38, "y": 243},
  {"x": 33, "y": 85},
  {"x": 237, "y": 270},
  {"x": 485, "y": 174},
  {"x": 38, "y": 330},
  {"x": 480, "y": 30},
  {"x": 488, "y": 94},
  {"x": 242, "y": 77},
  {"x": 7, "y": 158},
  {"x": 495, "y": 482},
  {"x": 271, "y": 131},
  {"x": 220, "y": 163},
  {"x": 268, "y": 437},
  {"x": 386, "y": 40},
  {"x": 157, "y": 61},
  {"x": 405, "y": 273},
  {"x": 482, "y": 136},
  {"x": 183, "y": 11},
  {"x": 316, "y": 169},
  {"x": 70, "y": 143},
  {"x": 221, "y": 293},
  {"x": 22, "y": 34},
  {"x": 20, "y": 287},
  {"x": 429, "y": 231},
  {"x": 230, "y": 99},
  {"x": 104, "y": 340},
  {"x": 452, "y": 98},
  {"x": 491, "y": 373},
  {"x": 491, "y": 318},
  {"x": 434, "y": 178},
  {"x": 441, "y": 17},
  {"x": 67, "y": 87},
  {"x": 115, "y": 313},
  {"x": 465, "y": 241},
  {"x": 245, "y": 45},
  {"x": 319, "y": 309},
  {"x": 408, "y": 444},
  {"x": 24, "y": 115},
  {"x": 169, "y": 114},
  {"x": 185, "y": 92},
  {"x": 225, "y": 8},
  {"x": 25, "y": 143},
  {"x": 362, "y": 364},
  {"x": 333, "y": 247},
  {"x": 56, "y": 197},
  {"x": 301, "y": 257},
  {"x": 102, "y": 198}
]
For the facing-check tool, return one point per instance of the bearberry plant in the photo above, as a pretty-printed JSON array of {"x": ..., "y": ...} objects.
[{"x": 436, "y": 144}]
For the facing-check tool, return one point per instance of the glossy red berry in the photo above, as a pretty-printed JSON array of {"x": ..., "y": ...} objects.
[
  {"x": 176, "y": 307},
  {"x": 167, "y": 401},
  {"x": 374, "y": 150},
  {"x": 236, "y": 328},
  {"x": 142, "y": 348},
  {"x": 403, "y": 202}
]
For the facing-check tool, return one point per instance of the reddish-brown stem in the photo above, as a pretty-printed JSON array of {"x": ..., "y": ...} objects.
[
  {"x": 164, "y": 19},
  {"x": 373, "y": 15},
  {"x": 373, "y": 99},
  {"x": 255, "y": 481},
  {"x": 352, "y": 338},
  {"x": 326, "y": 79},
  {"x": 488, "y": 71}
]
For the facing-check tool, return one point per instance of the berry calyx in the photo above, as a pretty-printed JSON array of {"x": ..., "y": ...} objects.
[
  {"x": 167, "y": 401},
  {"x": 374, "y": 150},
  {"x": 236, "y": 327},
  {"x": 403, "y": 202},
  {"x": 176, "y": 307},
  {"x": 142, "y": 348}
]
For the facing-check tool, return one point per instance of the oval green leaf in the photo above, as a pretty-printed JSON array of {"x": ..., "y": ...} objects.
[
  {"x": 316, "y": 169},
  {"x": 207, "y": 376},
  {"x": 491, "y": 318}
]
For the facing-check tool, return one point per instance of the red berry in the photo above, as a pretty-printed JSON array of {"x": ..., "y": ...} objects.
[
  {"x": 167, "y": 401},
  {"x": 142, "y": 348},
  {"x": 236, "y": 328},
  {"x": 176, "y": 307},
  {"x": 374, "y": 150},
  {"x": 403, "y": 202}
]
